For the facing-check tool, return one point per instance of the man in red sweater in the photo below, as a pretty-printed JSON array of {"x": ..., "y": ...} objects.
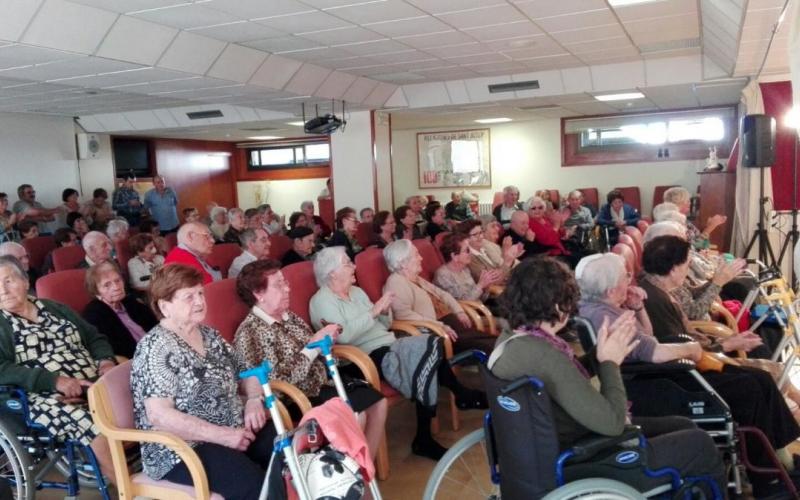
[{"x": 195, "y": 243}]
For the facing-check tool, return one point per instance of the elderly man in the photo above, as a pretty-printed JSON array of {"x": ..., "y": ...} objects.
[
  {"x": 520, "y": 232},
  {"x": 578, "y": 216},
  {"x": 510, "y": 205},
  {"x": 458, "y": 209},
  {"x": 195, "y": 244},
  {"x": 16, "y": 250},
  {"x": 31, "y": 209},
  {"x": 683, "y": 200},
  {"x": 162, "y": 202},
  {"x": 98, "y": 249},
  {"x": 255, "y": 246}
]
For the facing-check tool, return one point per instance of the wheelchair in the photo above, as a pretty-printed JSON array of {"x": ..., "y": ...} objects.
[
  {"x": 29, "y": 454},
  {"x": 524, "y": 462}
]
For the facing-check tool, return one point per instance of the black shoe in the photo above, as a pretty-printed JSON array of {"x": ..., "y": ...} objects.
[
  {"x": 428, "y": 448},
  {"x": 472, "y": 399}
]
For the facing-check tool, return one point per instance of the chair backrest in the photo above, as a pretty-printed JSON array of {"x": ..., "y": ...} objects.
[
  {"x": 632, "y": 197},
  {"x": 633, "y": 238},
  {"x": 431, "y": 258},
  {"x": 371, "y": 272},
  {"x": 364, "y": 234},
  {"x": 591, "y": 198},
  {"x": 172, "y": 240},
  {"x": 326, "y": 211},
  {"x": 497, "y": 200},
  {"x": 642, "y": 225},
  {"x": 222, "y": 255},
  {"x": 658, "y": 195},
  {"x": 65, "y": 258},
  {"x": 279, "y": 244},
  {"x": 124, "y": 254},
  {"x": 300, "y": 277},
  {"x": 224, "y": 309},
  {"x": 38, "y": 248},
  {"x": 555, "y": 198},
  {"x": 627, "y": 253},
  {"x": 117, "y": 383},
  {"x": 65, "y": 287},
  {"x": 437, "y": 241}
]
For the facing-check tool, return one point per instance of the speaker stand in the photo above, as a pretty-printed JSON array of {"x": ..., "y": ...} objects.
[{"x": 760, "y": 235}]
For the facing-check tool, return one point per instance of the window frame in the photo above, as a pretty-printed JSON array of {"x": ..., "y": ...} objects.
[{"x": 295, "y": 164}]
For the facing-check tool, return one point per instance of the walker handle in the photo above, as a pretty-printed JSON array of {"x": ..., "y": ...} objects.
[
  {"x": 325, "y": 345},
  {"x": 261, "y": 372}
]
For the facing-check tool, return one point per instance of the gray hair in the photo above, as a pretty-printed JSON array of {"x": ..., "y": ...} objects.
[
  {"x": 664, "y": 207},
  {"x": 233, "y": 211},
  {"x": 327, "y": 261},
  {"x": 409, "y": 198},
  {"x": 601, "y": 275},
  {"x": 672, "y": 216},
  {"x": 664, "y": 228},
  {"x": 575, "y": 193},
  {"x": 397, "y": 253},
  {"x": 305, "y": 204},
  {"x": 247, "y": 236},
  {"x": 116, "y": 226},
  {"x": 90, "y": 238},
  {"x": 677, "y": 195},
  {"x": 511, "y": 189},
  {"x": 264, "y": 208},
  {"x": 8, "y": 248},
  {"x": 536, "y": 199},
  {"x": 14, "y": 264}
]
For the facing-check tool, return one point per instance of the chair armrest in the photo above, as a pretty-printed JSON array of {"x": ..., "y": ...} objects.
[
  {"x": 482, "y": 310},
  {"x": 470, "y": 311},
  {"x": 284, "y": 413},
  {"x": 496, "y": 290},
  {"x": 362, "y": 361},
  {"x": 714, "y": 329},
  {"x": 296, "y": 395},
  {"x": 586, "y": 448},
  {"x": 412, "y": 327},
  {"x": 677, "y": 366},
  {"x": 725, "y": 315}
]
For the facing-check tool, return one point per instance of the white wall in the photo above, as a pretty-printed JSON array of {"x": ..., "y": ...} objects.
[
  {"x": 98, "y": 172},
  {"x": 528, "y": 155},
  {"x": 352, "y": 163},
  {"x": 284, "y": 196}
]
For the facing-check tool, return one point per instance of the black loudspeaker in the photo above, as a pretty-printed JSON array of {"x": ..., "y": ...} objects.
[{"x": 758, "y": 141}]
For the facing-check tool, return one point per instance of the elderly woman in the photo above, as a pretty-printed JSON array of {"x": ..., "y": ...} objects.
[
  {"x": 532, "y": 347},
  {"x": 345, "y": 234},
  {"x": 384, "y": 228},
  {"x": 407, "y": 227},
  {"x": 219, "y": 223},
  {"x": 683, "y": 200},
  {"x": 510, "y": 205},
  {"x": 184, "y": 381},
  {"x": 418, "y": 299},
  {"x": 274, "y": 333},
  {"x": 117, "y": 230},
  {"x": 454, "y": 276},
  {"x": 315, "y": 222},
  {"x": 236, "y": 224},
  {"x": 98, "y": 210},
  {"x": 302, "y": 246},
  {"x": 54, "y": 355},
  {"x": 434, "y": 214},
  {"x": 547, "y": 234},
  {"x": 751, "y": 393},
  {"x": 365, "y": 325},
  {"x": 120, "y": 317},
  {"x": 144, "y": 262},
  {"x": 616, "y": 214}
]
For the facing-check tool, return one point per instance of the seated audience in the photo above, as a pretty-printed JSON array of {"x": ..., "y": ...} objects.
[
  {"x": 485, "y": 255},
  {"x": 252, "y": 218},
  {"x": 384, "y": 229},
  {"x": 302, "y": 245},
  {"x": 236, "y": 224},
  {"x": 255, "y": 246},
  {"x": 98, "y": 248},
  {"x": 454, "y": 276},
  {"x": 185, "y": 380},
  {"x": 315, "y": 222},
  {"x": 366, "y": 215},
  {"x": 8, "y": 219},
  {"x": 406, "y": 221},
  {"x": 434, "y": 213},
  {"x": 97, "y": 210},
  {"x": 63, "y": 237},
  {"x": 510, "y": 205},
  {"x": 418, "y": 299},
  {"x": 531, "y": 346},
  {"x": 144, "y": 262},
  {"x": 615, "y": 215},
  {"x": 345, "y": 234},
  {"x": 366, "y": 325},
  {"x": 120, "y": 317},
  {"x": 117, "y": 230},
  {"x": 14, "y": 249},
  {"x": 219, "y": 223},
  {"x": 457, "y": 209},
  {"x": 683, "y": 200},
  {"x": 579, "y": 217},
  {"x": 551, "y": 205},
  {"x": 298, "y": 219},
  {"x": 126, "y": 202},
  {"x": 151, "y": 227},
  {"x": 195, "y": 244},
  {"x": 519, "y": 230},
  {"x": 663, "y": 207},
  {"x": 54, "y": 355},
  {"x": 28, "y": 229},
  {"x": 78, "y": 224},
  {"x": 273, "y": 333},
  {"x": 70, "y": 197},
  {"x": 190, "y": 214},
  {"x": 416, "y": 204},
  {"x": 492, "y": 230},
  {"x": 270, "y": 221},
  {"x": 28, "y": 208},
  {"x": 547, "y": 235}
]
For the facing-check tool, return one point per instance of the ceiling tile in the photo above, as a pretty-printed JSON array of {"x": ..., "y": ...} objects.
[
  {"x": 387, "y": 10},
  {"x": 465, "y": 49},
  {"x": 408, "y": 56},
  {"x": 322, "y": 54},
  {"x": 376, "y": 47},
  {"x": 589, "y": 108},
  {"x": 237, "y": 63},
  {"x": 307, "y": 79},
  {"x": 137, "y": 41},
  {"x": 304, "y": 22},
  {"x": 586, "y": 19},
  {"x": 552, "y": 62},
  {"x": 68, "y": 26},
  {"x": 497, "y": 68},
  {"x": 599, "y": 45},
  {"x": 591, "y": 33},
  {"x": 610, "y": 56},
  {"x": 282, "y": 44},
  {"x": 348, "y": 63},
  {"x": 239, "y": 31},
  {"x": 440, "y": 6},
  {"x": 123, "y": 6},
  {"x": 380, "y": 94},
  {"x": 253, "y": 9},
  {"x": 335, "y": 85},
  {"x": 426, "y": 94},
  {"x": 448, "y": 73},
  {"x": 672, "y": 96},
  {"x": 342, "y": 35},
  {"x": 67, "y": 69},
  {"x": 670, "y": 28},
  {"x": 12, "y": 56},
  {"x": 543, "y": 47},
  {"x": 672, "y": 71},
  {"x": 191, "y": 53},
  {"x": 482, "y": 16},
  {"x": 538, "y": 8},
  {"x": 143, "y": 120},
  {"x": 436, "y": 39},
  {"x": 550, "y": 83},
  {"x": 124, "y": 78},
  {"x": 186, "y": 16},
  {"x": 359, "y": 90},
  {"x": 618, "y": 76},
  {"x": 489, "y": 57},
  {"x": 16, "y": 16},
  {"x": 328, "y": 4},
  {"x": 656, "y": 10},
  {"x": 504, "y": 31},
  {"x": 405, "y": 27}
]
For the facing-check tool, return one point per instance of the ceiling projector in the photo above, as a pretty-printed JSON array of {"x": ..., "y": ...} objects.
[{"x": 323, "y": 125}]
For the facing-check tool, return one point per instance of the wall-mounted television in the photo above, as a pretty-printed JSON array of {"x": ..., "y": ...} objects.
[{"x": 132, "y": 157}]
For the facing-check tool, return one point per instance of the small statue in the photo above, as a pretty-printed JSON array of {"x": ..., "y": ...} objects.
[{"x": 712, "y": 162}]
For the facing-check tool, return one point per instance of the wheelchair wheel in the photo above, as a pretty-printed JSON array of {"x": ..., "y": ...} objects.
[
  {"x": 594, "y": 489},
  {"x": 463, "y": 472},
  {"x": 15, "y": 466}
]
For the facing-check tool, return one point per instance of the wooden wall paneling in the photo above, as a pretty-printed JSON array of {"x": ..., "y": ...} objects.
[{"x": 718, "y": 196}]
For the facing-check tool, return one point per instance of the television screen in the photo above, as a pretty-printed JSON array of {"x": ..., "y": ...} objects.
[{"x": 131, "y": 157}]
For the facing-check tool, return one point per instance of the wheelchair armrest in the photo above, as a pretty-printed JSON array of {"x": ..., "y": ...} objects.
[
  {"x": 586, "y": 448},
  {"x": 677, "y": 366},
  {"x": 465, "y": 356}
]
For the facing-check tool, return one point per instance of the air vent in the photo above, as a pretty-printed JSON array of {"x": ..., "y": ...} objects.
[
  {"x": 513, "y": 86},
  {"x": 540, "y": 107},
  {"x": 200, "y": 115},
  {"x": 259, "y": 129},
  {"x": 686, "y": 43}
]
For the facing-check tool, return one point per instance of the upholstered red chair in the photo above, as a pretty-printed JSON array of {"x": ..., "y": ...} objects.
[
  {"x": 224, "y": 309},
  {"x": 38, "y": 248},
  {"x": 65, "y": 258},
  {"x": 632, "y": 197},
  {"x": 327, "y": 212},
  {"x": 625, "y": 239},
  {"x": 626, "y": 253},
  {"x": 431, "y": 258},
  {"x": 65, "y": 287},
  {"x": 171, "y": 239},
  {"x": 371, "y": 272},
  {"x": 364, "y": 234},
  {"x": 222, "y": 255},
  {"x": 279, "y": 244},
  {"x": 642, "y": 225},
  {"x": 124, "y": 254},
  {"x": 591, "y": 198},
  {"x": 555, "y": 198},
  {"x": 437, "y": 241},
  {"x": 637, "y": 238},
  {"x": 497, "y": 200},
  {"x": 300, "y": 277}
]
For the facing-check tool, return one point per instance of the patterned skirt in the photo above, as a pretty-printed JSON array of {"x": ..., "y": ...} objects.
[{"x": 63, "y": 420}]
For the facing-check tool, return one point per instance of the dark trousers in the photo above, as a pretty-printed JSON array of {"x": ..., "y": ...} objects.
[{"x": 236, "y": 475}]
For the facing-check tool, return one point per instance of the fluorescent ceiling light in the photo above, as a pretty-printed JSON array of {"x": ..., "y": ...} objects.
[
  {"x": 493, "y": 120},
  {"x": 296, "y": 124},
  {"x": 625, "y": 3},
  {"x": 620, "y": 97},
  {"x": 264, "y": 137}
]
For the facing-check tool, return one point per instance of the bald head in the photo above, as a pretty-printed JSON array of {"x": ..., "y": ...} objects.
[
  {"x": 97, "y": 246},
  {"x": 519, "y": 222},
  {"x": 16, "y": 250},
  {"x": 197, "y": 238}
]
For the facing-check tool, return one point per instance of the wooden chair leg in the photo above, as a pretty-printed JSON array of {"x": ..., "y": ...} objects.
[{"x": 382, "y": 460}]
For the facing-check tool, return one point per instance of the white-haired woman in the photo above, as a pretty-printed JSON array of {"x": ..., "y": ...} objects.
[
  {"x": 117, "y": 230},
  {"x": 418, "y": 299},
  {"x": 366, "y": 325},
  {"x": 236, "y": 224},
  {"x": 683, "y": 200},
  {"x": 315, "y": 222},
  {"x": 219, "y": 222}
]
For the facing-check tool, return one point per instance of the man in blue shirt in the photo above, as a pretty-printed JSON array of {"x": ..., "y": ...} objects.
[
  {"x": 162, "y": 202},
  {"x": 126, "y": 202}
]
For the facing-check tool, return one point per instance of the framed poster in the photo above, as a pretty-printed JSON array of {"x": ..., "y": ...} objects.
[{"x": 454, "y": 158}]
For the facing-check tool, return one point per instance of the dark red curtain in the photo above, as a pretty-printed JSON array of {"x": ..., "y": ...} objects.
[{"x": 777, "y": 103}]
